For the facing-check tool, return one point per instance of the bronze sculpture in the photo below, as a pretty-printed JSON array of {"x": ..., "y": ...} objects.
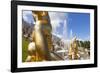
[
  {"x": 42, "y": 36},
  {"x": 73, "y": 50}
]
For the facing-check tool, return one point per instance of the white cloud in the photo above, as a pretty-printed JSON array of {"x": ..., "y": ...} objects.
[
  {"x": 86, "y": 38},
  {"x": 57, "y": 19},
  {"x": 60, "y": 36},
  {"x": 27, "y": 16}
]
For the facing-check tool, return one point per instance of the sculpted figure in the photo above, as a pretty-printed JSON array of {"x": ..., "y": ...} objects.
[
  {"x": 42, "y": 34},
  {"x": 73, "y": 50}
]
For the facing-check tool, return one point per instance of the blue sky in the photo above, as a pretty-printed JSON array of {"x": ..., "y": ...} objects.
[
  {"x": 79, "y": 24},
  {"x": 27, "y": 16},
  {"x": 66, "y": 25}
]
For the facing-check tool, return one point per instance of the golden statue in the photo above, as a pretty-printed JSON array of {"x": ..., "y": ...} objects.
[
  {"x": 42, "y": 32},
  {"x": 73, "y": 50},
  {"x": 42, "y": 37}
]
